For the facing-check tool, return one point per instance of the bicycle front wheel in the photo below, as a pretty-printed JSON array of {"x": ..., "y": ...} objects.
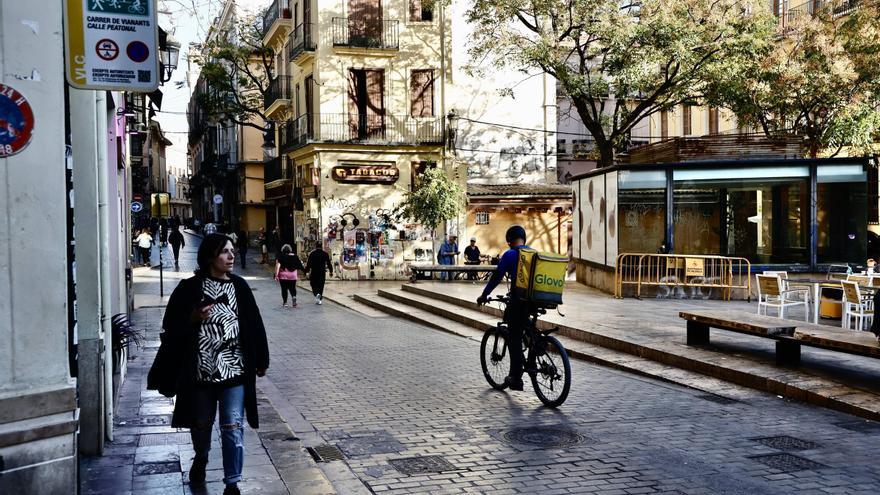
[
  {"x": 494, "y": 357},
  {"x": 552, "y": 377}
]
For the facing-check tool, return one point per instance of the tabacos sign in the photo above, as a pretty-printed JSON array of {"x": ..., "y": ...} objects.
[{"x": 385, "y": 174}]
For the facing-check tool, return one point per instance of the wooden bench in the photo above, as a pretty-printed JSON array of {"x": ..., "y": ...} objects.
[
  {"x": 789, "y": 335},
  {"x": 423, "y": 269}
]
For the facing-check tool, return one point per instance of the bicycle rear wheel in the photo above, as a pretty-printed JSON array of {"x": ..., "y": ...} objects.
[
  {"x": 494, "y": 357},
  {"x": 552, "y": 377}
]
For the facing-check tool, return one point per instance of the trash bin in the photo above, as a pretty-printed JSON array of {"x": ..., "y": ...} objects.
[{"x": 830, "y": 303}]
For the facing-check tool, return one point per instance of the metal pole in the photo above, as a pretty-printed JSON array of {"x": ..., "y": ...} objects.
[{"x": 161, "y": 275}]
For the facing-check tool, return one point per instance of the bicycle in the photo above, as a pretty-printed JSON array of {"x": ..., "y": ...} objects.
[{"x": 546, "y": 360}]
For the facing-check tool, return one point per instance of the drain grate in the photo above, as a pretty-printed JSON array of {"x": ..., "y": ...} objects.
[
  {"x": 148, "y": 420},
  {"x": 544, "y": 436},
  {"x": 788, "y": 463},
  {"x": 718, "y": 399},
  {"x": 157, "y": 468},
  {"x": 325, "y": 453},
  {"x": 422, "y": 464},
  {"x": 164, "y": 439},
  {"x": 861, "y": 426},
  {"x": 785, "y": 442}
]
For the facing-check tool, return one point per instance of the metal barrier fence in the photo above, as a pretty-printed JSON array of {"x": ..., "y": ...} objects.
[{"x": 676, "y": 272}]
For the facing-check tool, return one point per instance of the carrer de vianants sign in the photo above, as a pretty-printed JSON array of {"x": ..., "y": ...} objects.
[{"x": 365, "y": 174}]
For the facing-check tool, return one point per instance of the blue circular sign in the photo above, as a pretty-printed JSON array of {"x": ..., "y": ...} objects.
[
  {"x": 136, "y": 207},
  {"x": 138, "y": 51},
  {"x": 16, "y": 121}
]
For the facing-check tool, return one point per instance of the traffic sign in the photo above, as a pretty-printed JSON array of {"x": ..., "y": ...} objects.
[
  {"x": 136, "y": 207},
  {"x": 97, "y": 31},
  {"x": 16, "y": 121},
  {"x": 218, "y": 199}
]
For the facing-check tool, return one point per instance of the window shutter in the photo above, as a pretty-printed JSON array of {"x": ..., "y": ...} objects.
[
  {"x": 422, "y": 93},
  {"x": 415, "y": 10}
]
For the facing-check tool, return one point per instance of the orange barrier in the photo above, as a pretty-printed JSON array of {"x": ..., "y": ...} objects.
[{"x": 677, "y": 272}]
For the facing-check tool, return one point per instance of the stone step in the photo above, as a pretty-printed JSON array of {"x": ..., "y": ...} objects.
[
  {"x": 669, "y": 358},
  {"x": 472, "y": 323}
]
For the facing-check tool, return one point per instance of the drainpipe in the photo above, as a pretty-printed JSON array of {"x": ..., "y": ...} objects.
[
  {"x": 104, "y": 249},
  {"x": 443, "y": 82}
]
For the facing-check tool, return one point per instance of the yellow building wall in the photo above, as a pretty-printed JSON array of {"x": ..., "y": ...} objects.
[{"x": 546, "y": 231}]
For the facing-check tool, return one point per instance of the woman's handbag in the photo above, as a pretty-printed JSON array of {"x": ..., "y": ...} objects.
[{"x": 166, "y": 367}]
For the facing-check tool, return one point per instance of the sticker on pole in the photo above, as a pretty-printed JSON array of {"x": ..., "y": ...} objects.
[
  {"x": 16, "y": 121},
  {"x": 112, "y": 44}
]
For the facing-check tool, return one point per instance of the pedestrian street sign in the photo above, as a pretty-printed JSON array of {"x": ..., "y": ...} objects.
[
  {"x": 112, "y": 44},
  {"x": 218, "y": 199},
  {"x": 136, "y": 206}
]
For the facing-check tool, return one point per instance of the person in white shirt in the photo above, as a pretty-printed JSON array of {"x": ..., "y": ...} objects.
[{"x": 145, "y": 244}]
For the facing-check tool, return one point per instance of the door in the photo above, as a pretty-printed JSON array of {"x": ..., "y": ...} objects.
[
  {"x": 366, "y": 105},
  {"x": 310, "y": 102}
]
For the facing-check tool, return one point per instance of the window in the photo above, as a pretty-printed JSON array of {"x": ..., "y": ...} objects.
[
  {"x": 664, "y": 124},
  {"x": 580, "y": 148},
  {"x": 482, "y": 218},
  {"x": 422, "y": 93},
  {"x": 560, "y": 147},
  {"x": 366, "y": 104},
  {"x": 419, "y": 12},
  {"x": 713, "y": 121}
]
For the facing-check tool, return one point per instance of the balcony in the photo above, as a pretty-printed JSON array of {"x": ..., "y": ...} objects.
[
  {"x": 810, "y": 8},
  {"x": 276, "y": 22},
  {"x": 278, "y": 96},
  {"x": 302, "y": 44},
  {"x": 358, "y": 32},
  {"x": 360, "y": 129}
]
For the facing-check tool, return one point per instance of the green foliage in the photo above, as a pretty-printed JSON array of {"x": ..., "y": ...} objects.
[
  {"x": 620, "y": 62},
  {"x": 437, "y": 199},
  {"x": 817, "y": 79},
  {"x": 237, "y": 68}
]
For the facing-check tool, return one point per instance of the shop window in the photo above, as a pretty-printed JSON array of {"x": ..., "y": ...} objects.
[
  {"x": 422, "y": 93},
  {"x": 641, "y": 200},
  {"x": 482, "y": 218},
  {"x": 842, "y": 214},
  {"x": 419, "y": 12}
]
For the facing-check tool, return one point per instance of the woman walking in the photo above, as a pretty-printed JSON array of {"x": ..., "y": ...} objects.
[
  {"x": 145, "y": 245},
  {"x": 286, "y": 267},
  {"x": 176, "y": 240},
  {"x": 217, "y": 334},
  {"x": 316, "y": 266}
]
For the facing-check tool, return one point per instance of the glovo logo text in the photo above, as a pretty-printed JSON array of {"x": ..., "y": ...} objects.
[{"x": 547, "y": 280}]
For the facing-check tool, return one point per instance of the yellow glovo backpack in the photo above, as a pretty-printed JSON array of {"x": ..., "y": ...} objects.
[{"x": 540, "y": 277}]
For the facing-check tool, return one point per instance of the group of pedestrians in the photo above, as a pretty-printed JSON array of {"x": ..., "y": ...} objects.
[{"x": 288, "y": 266}]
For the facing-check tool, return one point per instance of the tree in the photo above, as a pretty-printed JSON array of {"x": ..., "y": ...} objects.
[
  {"x": 438, "y": 198},
  {"x": 237, "y": 68},
  {"x": 818, "y": 79},
  {"x": 619, "y": 62}
]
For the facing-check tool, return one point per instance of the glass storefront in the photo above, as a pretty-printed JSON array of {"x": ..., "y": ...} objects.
[
  {"x": 842, "y": 217},
  {"x": 641, "y": 200}
]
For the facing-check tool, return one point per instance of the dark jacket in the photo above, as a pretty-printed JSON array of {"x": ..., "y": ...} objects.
[
  {"x": 318, "y": 263},
  {"x": 180, "y": 334}
]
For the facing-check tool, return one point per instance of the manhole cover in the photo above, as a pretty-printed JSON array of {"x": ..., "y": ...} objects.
[
  {"x": 861, "y": 426},
  {"x": 717, "y": 399},
  {"x": 422, "y": 464},
  {"x": 157, "y": 468},
  {"x": 325, "y": 453},
  {"x": 544, "y": 436},
  {"x": 788, "y": 463},
  {"x": 785, "y": 442},
  {"x": 164, "y": 439}
]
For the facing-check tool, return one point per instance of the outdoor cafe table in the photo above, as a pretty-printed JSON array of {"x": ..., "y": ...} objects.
[{"x": 817, "y": 284}]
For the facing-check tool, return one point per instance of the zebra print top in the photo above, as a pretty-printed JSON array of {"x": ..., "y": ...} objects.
[{"x": 220, "y": 355}]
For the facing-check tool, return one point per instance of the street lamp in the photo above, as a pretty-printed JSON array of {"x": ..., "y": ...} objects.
[{"x": 169, "y": 51}]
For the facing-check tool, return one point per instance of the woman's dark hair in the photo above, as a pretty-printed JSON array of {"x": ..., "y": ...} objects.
[{"x": 210, "y": 248}]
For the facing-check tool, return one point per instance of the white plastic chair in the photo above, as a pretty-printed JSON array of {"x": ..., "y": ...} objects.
[
  {"x": 856, "y": 307},
  {"x": 773, "y": 294}
]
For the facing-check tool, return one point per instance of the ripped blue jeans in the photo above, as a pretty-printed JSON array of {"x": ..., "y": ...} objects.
[{"x": 231, "y": 402}]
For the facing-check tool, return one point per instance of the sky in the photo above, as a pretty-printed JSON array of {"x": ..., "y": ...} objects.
[{"x": 188, "y": 21}]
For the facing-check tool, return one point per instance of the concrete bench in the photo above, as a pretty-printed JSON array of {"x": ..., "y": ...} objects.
[
  {"x": 423, "y": 269},
  {"x": 789, "y": 335}
]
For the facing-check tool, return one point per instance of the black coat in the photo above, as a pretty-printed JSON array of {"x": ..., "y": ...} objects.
[
  {"x": 318, "y": 263},
  {"x": 180, "y": 334}
]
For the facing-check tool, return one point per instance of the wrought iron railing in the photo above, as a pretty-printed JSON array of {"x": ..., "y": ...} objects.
[
  {"x": 360, "y": 128},
  {"x": 837, "y": 8},
  {"x": 302, "y": 39},
  {"x": 279, "y": 89},
  {"x": 278, "y": 10},
  {"x": 361, "y": 32}
]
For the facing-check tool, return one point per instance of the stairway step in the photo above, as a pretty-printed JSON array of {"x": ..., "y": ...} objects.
[{"x": 471, "y": 324}]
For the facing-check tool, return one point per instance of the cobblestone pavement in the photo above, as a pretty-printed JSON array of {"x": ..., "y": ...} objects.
[{"x": 385, "y": 391}]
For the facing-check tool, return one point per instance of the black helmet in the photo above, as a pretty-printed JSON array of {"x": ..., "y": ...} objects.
[{"x": 515, "y": 232}]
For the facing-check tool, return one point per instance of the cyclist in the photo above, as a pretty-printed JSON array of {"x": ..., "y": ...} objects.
[{"x": 516, "y": 314}]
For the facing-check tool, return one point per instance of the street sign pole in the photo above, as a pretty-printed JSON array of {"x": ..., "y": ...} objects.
[{"x": 161, "y": 263}]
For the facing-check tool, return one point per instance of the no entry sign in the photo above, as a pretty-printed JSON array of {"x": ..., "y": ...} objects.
[{"x": 112, "y": 44}]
